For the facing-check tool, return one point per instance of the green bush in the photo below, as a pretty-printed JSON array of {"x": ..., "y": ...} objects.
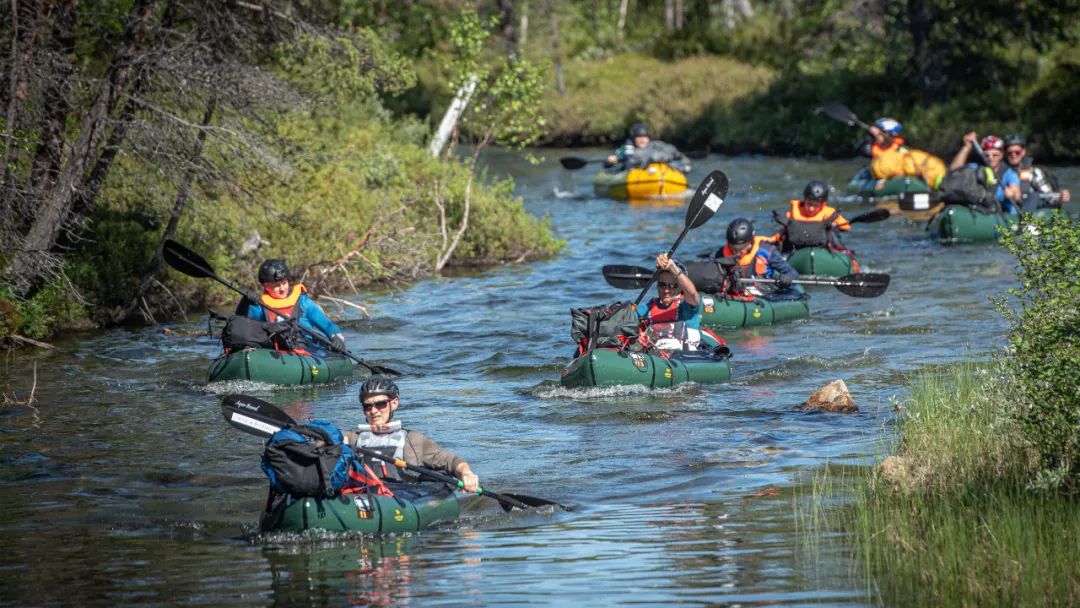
[{"x": 1045, "y": 342}]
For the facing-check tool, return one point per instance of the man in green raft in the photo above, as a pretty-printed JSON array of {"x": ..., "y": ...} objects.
[
  {"x": 639, "y": 151},
  {"x": 379, "y": 397}
]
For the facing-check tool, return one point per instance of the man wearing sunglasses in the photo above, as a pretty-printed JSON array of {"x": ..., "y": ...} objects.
[
  {"x": 380, "y": 399},
  {"x": 1034, "y": 181}
]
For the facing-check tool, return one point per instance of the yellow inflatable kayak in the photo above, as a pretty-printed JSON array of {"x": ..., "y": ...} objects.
[{"x": 656, "y": 181}]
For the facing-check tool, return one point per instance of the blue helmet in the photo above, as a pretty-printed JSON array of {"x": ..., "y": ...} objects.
[{"x": 889, "y": 125}]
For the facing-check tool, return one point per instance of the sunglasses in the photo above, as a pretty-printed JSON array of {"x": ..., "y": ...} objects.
[
  {"x": 1014, "y": 152},
  {"x": 664, "y": 285},
  {"x": 377, "y": 404}
]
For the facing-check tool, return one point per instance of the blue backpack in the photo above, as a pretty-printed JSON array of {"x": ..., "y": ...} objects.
[{"x": 296, "y": 465}]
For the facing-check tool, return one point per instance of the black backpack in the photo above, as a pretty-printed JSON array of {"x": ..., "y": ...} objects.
[
  {"x": 709, "y": 277},
  {"x": 970, "y": 186},
  {"x": 241, "y": 332},
  {"x": 296, "y": 465},
  {"x": 604, "y": 325}
]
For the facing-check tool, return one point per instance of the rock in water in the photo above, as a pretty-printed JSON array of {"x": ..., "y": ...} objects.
[{"x": 833, "y": 397}]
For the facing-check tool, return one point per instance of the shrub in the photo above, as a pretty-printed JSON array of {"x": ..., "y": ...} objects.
[{"x": 1045, "y": 342}]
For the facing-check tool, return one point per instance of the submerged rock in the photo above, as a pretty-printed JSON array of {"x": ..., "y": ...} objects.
[{"x": 833, "y": 397}]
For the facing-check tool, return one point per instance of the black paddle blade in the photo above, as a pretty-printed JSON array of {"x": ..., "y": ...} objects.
[
  {"x": 877, "y": 215},
  {"x": 572, "y": 162},
  {"x": 707, "y": 199},
  {"x": 254, "y": 416},
  {"x": 530, "y": 501},
  {"x": 863, "y": 285},
  {"x": 838, "y": 111},
  {"x": 382, "y": 370},
  {"x": 185, "y": 260},
  {"x": 627, "y": 277}
]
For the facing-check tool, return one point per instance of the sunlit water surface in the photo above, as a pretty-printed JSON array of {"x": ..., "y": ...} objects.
[{"x": 122, "y": 485}]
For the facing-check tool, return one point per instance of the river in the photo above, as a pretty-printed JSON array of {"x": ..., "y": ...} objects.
[{"x": 122, "y": 484}]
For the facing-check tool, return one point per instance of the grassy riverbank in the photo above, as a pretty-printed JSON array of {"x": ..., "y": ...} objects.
[
  {"x": 950, "y": 519},
  {"x": 977, "y": 505}
]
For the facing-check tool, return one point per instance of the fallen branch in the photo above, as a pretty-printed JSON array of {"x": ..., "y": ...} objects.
[
  {"x": 14, "y": 400},
  {"x": 342, "y": 302},
  {"x": 25, "y": 340}
]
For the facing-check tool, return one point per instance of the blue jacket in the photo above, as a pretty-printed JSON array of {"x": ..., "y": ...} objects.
[
  {"x": 311, "y": 316},
  {"x": 1008, "y": 178}
]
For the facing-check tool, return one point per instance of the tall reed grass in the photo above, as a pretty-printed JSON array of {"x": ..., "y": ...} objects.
[{"x": 950, "y": 519}]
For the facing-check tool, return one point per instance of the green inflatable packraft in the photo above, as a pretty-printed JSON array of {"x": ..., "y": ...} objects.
[
  {"x": 273, "y": 367},
  {"x": 414, "y": 507}
]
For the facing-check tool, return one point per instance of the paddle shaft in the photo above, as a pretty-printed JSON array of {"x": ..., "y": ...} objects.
[{"x": 426, "y": 472}]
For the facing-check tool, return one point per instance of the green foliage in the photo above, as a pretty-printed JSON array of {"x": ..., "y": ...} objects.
[
  {"x": 1045, "y": 340},
  {"x": 51, "y": 307},
  {"x": 604, "y": 97},
  {"x": 348, "y": 68}
]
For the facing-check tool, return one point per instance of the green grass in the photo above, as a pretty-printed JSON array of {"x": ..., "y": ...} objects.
[{"x": 949, "y": 519}]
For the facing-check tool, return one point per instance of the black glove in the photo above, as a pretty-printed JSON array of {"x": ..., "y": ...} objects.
[
  {"x": 338, "y": 342},
  {"x": 784, "y": 281}
]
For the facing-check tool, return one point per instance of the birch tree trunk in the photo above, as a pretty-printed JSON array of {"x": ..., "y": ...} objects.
[
  {"x": 621, "y": 28},
  {"x": 450, "y": 118}
]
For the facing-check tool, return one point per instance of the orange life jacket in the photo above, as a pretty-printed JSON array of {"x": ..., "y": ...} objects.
[
  {"x": 758, "y": 265},
  {"x": 822, "y": 215},
  {"x": 281, "y": 305}
]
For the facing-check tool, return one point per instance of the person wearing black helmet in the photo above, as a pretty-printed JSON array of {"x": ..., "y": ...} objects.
[
  {"x": 640, "y": 150},
  {"x": 380, "y": 432},
  {"x": 1005, "y": 181},
  {"x": 280, "y": 298},
  {"x": 810, "y": 221},
  {"x": 1038, "y": 188},
  {"x": 751, "y": 256}
]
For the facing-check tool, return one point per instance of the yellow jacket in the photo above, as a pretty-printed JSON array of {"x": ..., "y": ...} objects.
[{"x": 897, "y": 160}]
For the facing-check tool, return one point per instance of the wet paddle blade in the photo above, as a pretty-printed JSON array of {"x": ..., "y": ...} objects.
[
  {"x": 863, "y": 285},
  {"x": 573, "y": 162},
  {"x": 877, "y": 215},
  {"x": 186, "y": 261},
  {"x": 627, "y": 277},
  {"x": 707, "y": 199},
  {"x": 530, "y": 501},
  {"x": 254, "y": 416}
]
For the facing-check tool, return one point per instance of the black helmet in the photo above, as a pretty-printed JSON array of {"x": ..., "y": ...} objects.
[
  {"x": 740, "y": 231},
  {"x": 378, "y": 385},
  {"x": 638, "y": 129},
  {"x": 1015, "y": 140},
  {"x": 816, "y": 190},
  {"x": 273, "y": 271}
]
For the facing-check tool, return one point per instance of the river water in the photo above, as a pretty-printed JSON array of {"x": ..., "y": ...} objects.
[{"x": 122, "y": 485}]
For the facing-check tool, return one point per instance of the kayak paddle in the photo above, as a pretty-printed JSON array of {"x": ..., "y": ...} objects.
[
  {"x": 877, "y": 215},
  {"x": 262, "y": 419},
  {"x": 192, "y": 264},
  {"x": 706, "y": 200},
  {"x": 838, "y": 111},
  {"x": 573, "y": 163},
  {"x": 859, "y": 285}
]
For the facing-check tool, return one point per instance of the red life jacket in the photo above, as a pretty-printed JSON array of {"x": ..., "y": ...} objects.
[
  {"x": 365, "y": 481},
  {"x": 664, "y": 315}
]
